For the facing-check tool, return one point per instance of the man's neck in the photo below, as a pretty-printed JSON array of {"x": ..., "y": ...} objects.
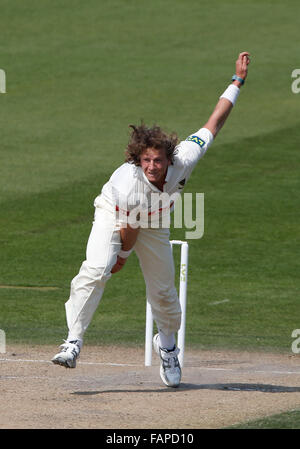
[{"x": 159, "y": 185}]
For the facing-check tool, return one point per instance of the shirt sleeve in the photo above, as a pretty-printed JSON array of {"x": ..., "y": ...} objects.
[
  {"x": 122, "y": 179},
  {"x": 195, "y": 146},
  {"x": 121, "y": 189}
]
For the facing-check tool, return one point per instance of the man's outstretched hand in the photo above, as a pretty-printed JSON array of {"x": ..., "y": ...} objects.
[{"x": 241, "y": 65}]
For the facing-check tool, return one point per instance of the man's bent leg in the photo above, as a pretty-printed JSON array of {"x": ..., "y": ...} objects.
[
  {"x": 156, "y": 259},
  {"x": 86, "y": 292},
  {"x": 88, "y": 286},
  {"x": 154, "y": 251}
]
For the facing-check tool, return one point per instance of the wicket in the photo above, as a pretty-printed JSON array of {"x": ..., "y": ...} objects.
[
  {"x": 2, "y": 82},
  {"x": 182, "y": 299},
  {"x": 2, "y": 342}
]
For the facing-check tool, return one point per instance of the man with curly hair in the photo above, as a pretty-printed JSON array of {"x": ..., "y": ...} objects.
[{"x": 128, "y": 217}]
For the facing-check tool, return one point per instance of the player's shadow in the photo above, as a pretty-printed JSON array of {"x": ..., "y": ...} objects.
[{"x": 264, "y": 388}]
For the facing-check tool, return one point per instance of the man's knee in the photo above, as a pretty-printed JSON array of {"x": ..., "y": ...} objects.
[
  {"x": 90, "y": 275},
  {"x": 167, "y": 299}
]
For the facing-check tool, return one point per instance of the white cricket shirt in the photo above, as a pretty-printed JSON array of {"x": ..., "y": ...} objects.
[{"x": 130, "y": 192}]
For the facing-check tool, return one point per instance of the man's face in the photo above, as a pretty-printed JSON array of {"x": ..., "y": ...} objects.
[{"x": 154, "y": 163}]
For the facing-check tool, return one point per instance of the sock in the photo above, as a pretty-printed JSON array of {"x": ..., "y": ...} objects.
[{"x": 167, "y": 341}]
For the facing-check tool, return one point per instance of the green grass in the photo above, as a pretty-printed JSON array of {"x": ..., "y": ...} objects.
[
  {"x": 282, "y": 421},
  {"x": 78, "y": 73},
  {"x": 246, "y": 256}
]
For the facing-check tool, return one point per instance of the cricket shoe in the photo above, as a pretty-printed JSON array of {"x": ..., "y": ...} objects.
[
  {"x": 170, "y": 371},
  {"x": 67, "y": 356}
]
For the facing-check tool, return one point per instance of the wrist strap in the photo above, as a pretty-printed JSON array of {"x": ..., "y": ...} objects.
[
  {"x": 125, "y": 254},
  {"x": 231, "y": 93},
  {"x": 237, "y": 78}
]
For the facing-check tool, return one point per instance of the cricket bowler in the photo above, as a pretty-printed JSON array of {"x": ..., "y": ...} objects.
[{"x": 128, "y": 217}]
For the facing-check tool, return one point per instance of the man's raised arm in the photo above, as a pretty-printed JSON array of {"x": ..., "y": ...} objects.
[{"x": 229, "y": 97}]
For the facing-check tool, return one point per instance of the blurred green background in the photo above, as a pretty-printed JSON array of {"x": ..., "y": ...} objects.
[{"x": 78, "y": 73}]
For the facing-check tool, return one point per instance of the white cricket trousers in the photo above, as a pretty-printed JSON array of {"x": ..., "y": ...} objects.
[{"x": 154, "y": 252}]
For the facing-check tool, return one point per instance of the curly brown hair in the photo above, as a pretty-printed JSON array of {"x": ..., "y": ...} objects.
[{"x": 143, "y": 137}]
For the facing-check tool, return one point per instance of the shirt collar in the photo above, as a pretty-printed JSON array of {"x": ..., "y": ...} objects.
[{"x": 169, "y": 173}]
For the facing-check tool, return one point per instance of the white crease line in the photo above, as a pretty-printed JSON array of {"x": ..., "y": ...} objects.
[
  {"x": 25, "y": 360},
  {"x": 80, "y": 363},
  {"x": 240, "y": 371},
  {"x": 278, "y": 372},
  {"x": 109, "y": 364},
  {"x": 32, "y": 377},
  {"x": 41, "y": 378},
  {"x": 251, "y": 371}
]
